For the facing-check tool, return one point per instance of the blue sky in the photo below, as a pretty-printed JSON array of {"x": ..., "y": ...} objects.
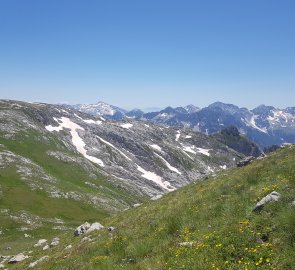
[{"x": 145, "y": 53}]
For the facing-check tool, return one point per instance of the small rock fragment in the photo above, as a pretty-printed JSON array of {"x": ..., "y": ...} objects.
[
  {"x": 33, "y": 264},
  {"x": 111, "y": 228},
  {"x": 85, "y": 239},
  {"x": 54, "y": 242},
  {"x": 68, "y": 247},
  {"x": 40, "y": 243},
  {"x": 186, "y": 244}
]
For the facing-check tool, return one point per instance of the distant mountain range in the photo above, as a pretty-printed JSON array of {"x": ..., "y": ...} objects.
[{"x": 264, "y": 125}]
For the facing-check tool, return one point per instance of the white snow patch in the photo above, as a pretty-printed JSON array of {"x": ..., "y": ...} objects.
[
  {"x": 164, "y": 116},
  {"x": 156, "y": 147},
  {"x": 155, "y": 178},
  {"x": 111, "y": 145},
  {"x": 195, "y": 150},
  {"x": 177, "y": 136},
  {"x": 76, "y": 139},
  {"x": 147, "y": 125},
  {"x": 223, "y": 167},
  {"x": 189, "y": 149},
  {"x": 17, "y": 105},
  {"x": 78, "y": 116},
  {"x": 182, "y": 150},
  {"x": 171, "y": 168},
  {"x": 279, "y": 115},
  {"x": 90, "y": 121},
  {"x": 204, "y": 151},
  {"x": 188, "y": 136},
  {"x": 210, "y": 169},
  {"x": 252, "y": 123},
  {"x": 127, "y": 126},
  {"x": 157, "y": 197}
]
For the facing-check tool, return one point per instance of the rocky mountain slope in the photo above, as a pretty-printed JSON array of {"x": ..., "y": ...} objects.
[
  {"x": 264, "y": 125},
  {"x": 242, "y": 218},
  {"x": 231, "y": 137},
  {"x": 148, "y": 158},
  {"x": 59, "y": 167}
]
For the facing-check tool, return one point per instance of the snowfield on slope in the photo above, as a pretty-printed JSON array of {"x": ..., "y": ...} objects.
[
  {"x": 78, "y": 142},
  {"x": 171, "y": 168},
  {"x": 155, "y": 178},
  {"x": 111, "y": 145},
  {"x": 127, "y": 126},
  {"x": 252, "y": 123},
  {"x": 195, "y": 150},
  {"x": 156, "y": 147}
]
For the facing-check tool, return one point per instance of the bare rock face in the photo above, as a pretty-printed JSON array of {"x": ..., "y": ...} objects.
[
  {"x": 245, "y": 161},
  {"x": 273, "y": 196}
]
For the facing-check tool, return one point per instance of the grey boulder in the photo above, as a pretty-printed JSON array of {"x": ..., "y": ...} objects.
[
  {"x": 82, "y": 229},
  {"x": 18, "y": 258},
  {"x": 273, "y": 196},
  {"x": 87, "y": 228}
]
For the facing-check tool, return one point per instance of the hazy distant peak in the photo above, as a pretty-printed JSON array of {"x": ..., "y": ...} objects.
[
  {"x": 191, "y": 108},
  {"x": 224, "y": 106}
]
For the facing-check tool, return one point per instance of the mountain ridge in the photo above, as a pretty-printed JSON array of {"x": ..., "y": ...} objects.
[{"x": 265, "y": 125}]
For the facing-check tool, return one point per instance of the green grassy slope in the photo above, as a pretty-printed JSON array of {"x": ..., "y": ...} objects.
[
  {"x": 18, "y": 198},
  {"x": 214, "y": 216}
]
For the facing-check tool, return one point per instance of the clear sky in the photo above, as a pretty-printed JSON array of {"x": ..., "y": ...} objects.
[{"x": 148, "y": 53}]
